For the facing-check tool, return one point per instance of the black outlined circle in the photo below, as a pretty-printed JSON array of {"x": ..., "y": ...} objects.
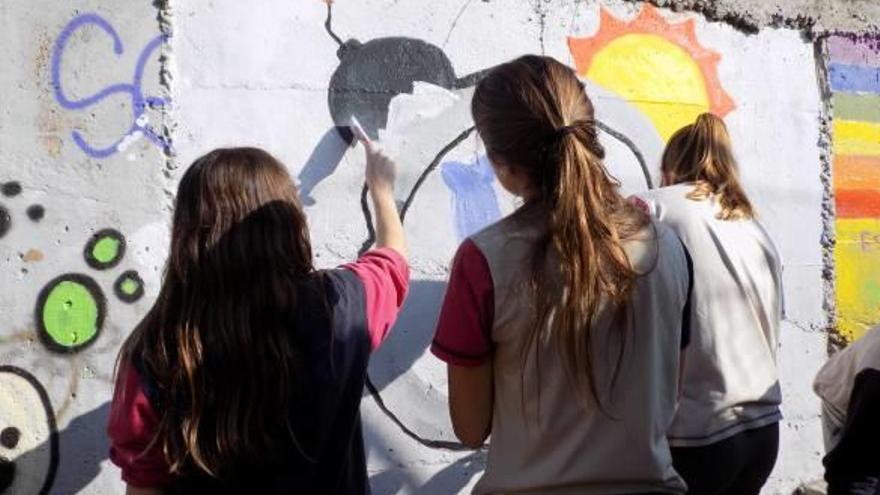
[
  {"x": 50, "y": 419},
  {"x": 89, "y": 251},
  {"x": 100, "y": 303},
  {"x": 126, "y": 297}
]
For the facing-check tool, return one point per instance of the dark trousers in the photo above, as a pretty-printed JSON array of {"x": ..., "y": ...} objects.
[{"x": 739, "y": 465}]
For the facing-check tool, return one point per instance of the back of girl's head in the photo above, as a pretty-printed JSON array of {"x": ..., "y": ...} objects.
[
  {"x": 524, "y": 111},
  {"x": 701, "y": 153},
  {"x": 238, "y": 209},
  {"x": 534, "y": 115},
  {"x": 217, "y": 340}
]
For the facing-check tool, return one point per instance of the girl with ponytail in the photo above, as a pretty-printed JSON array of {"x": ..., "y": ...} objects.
[
  {"x": 725, "y": 435},
  {"x": 562, "y": 323}
]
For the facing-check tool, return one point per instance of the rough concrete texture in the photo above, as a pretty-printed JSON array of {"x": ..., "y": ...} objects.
[
  {"x": 104, "y": 102},
  {"x": 815, "y": 17}
]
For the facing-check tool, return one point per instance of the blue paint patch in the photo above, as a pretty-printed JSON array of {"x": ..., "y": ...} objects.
[
  {"x": 854, "y": 78},
  {"x": 139, "y": 102},
  {"x": 473, "y": 196}
]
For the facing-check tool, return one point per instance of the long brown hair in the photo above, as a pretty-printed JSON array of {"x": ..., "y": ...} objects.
[
  {"x": 217, "y": 342},
  {"x": 701, "y": 153},
  {"x": 534, "y": 114}
]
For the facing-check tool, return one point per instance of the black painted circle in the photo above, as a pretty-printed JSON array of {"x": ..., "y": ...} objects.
[
  {"x": 5, "y": 221},
  {"x": 371, "y": 74},
  {"x": 36, "y": 212},
  {"x": 11, "y": 189},
  {"x": 100, "y": 302},
  {"x": 130, "y": 275},
  {"x": 9, "y": 437},
  {"x": 95, "y": 239}
]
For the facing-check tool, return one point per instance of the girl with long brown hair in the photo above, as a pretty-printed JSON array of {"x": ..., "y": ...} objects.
[
  {"x": 562, "y": 323},
  {"x": 246, "y": 374},
  {"x": 725, "y": 434}
]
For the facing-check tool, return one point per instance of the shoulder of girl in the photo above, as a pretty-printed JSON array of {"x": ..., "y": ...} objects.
[{"x": 647, "y": 205}]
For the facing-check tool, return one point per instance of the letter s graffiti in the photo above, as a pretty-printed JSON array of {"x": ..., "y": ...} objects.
[{"x": 134, "y": 90}]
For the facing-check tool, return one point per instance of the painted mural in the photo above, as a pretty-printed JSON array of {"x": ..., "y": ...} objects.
[
  {"x": 406, "y": 93},
  {"x": 656, "y": 64},
  {"x": 83, "y": 222},
  {"x": 853, "y": 71}
]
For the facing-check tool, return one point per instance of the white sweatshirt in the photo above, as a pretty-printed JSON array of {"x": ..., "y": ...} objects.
[{"x": 730, "y": 381}]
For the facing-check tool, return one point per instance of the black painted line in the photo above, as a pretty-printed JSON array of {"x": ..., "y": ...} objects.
[
  {"x": 470, "y": 79},
  {"x": 328, "y": 23},
  {"x": 632, "y": 147},
  {"x": 368, "y": 219},
  {"x": 434, "y": 444},
  {"x": 433, "y": 165}
]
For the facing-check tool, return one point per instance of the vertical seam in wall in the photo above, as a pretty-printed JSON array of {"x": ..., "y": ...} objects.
[
  {"x": 826, "y": 177},
  {"x": 167, "y": 71}
]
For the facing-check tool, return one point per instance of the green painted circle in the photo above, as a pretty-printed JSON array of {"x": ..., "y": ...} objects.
[
  {"x": 129, "y": 286},
  {"x": 106, "y": 250},
  {"x": 70, "y": 314}
]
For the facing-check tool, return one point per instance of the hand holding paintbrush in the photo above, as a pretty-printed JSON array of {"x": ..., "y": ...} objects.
[{"x": 380, "y": 174}]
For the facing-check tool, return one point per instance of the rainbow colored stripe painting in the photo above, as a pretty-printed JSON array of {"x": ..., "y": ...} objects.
[{"x": 854, "y": 78}]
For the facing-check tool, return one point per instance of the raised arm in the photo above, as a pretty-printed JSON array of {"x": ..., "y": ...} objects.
[{"x": 380, "y": 174}]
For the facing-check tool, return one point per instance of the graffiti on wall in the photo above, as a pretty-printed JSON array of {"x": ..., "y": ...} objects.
[
  {"x": 11, "y": 189},
  {"x": 853, "y": 71},
  {"x": 28, "y": 435},
  {"x": 69, "y": 315},
  {"x": 139, "y": 102},
  {"x": 71, "y": 308},
  {"x": 58, "y": 346}
]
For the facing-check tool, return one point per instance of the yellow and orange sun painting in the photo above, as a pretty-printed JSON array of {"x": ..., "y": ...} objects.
[{"x": 657, "y": 66}]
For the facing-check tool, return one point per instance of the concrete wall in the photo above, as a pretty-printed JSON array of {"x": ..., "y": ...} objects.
[{"x": 103, "y": 103}]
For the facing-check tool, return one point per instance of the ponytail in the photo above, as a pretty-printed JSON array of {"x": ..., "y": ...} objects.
[
  {"x": 534, "y": 113},
  {"x": 588, "y": 219},
  {"x": 702, "y": 153}
]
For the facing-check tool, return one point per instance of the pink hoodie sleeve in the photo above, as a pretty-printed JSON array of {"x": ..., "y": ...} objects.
[
  {"x": 131, "y": 427},
  {"x": 385, "y": 275}
]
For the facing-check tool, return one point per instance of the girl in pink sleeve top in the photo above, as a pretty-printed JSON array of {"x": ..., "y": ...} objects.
[{"x": 246, "y": 375}]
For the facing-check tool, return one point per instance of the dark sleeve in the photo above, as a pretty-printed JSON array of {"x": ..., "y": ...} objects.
[
  {"x": 463, "y": 335},
  {"x": 686, "y": 312},
  {"x": 853, "y": 465}
]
